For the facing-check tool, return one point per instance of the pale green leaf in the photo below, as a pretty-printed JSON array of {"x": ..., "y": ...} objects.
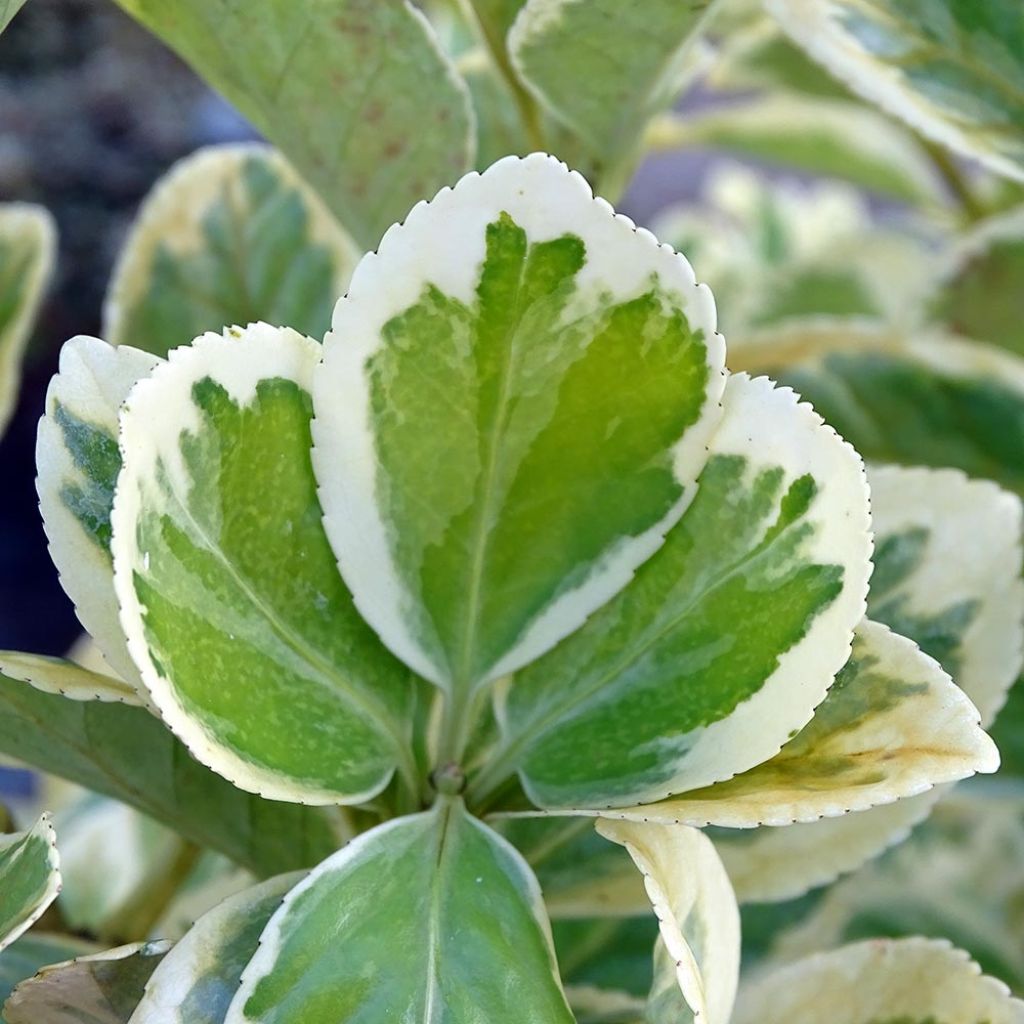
[
  {"x": 356, "y": 93},
  {"x": 229, "y": 236},
  {"x": 725, "y": 641},
  {"x": 100, "y": 988},
  {"x": 28, "y": 241},
  {"x": 960, "y": 876},
  {"x": 827, "y": 137},
  {"x": 978, "y": 291},
  {"x": 246, "y": 637},
  {"x": 697, "y": 959},
  {"x": 772, "y": 864},
  {"x": 484, "y": 390},
  {"x": 29, "y": 878},
  {"x": 77, "y": 461},
  {"x": 922, "y": 400},
  {"x": 8, "y": 9},
  {"x": 909, "y": 981},
  {"x": 198, "y": 979},
  {"x": 126, "y": 753},
  {"x": 430, "y": 917},
  {"x": 116, "y": 864},
  {"x": 592, "y": 1005},
  {"x": 604, "y": 67},
  {"x": 952, "y": 69}
]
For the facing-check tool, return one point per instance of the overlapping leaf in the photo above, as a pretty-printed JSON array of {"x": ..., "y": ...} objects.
[
  {"x": 27, "y": 251},
  {"x": 29, "y": 878},
  {"x": 430, "y": 917},
  {"x": 356, "y": 93},
  {"x": 696, "y": 961},
  {"x": 196, "y": 982},
  {"x": 726, "y": 639},
  {"x": 473, "y": 410},
  {"x": 33, "y": 951},
  {"x": 882, "y": 981},
  {"x": 953, "y": 69},
  {"x": 244, "y": 634},
  {"x": 100, "y": 988},
  {"x": 229, "y": 236}
]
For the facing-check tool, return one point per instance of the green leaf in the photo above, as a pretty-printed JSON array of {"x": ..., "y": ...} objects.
[
  {"x": 128, "y": 754},
  {"x": 910, "y": 981},
  {"x": 33, "y": 951},
  {"x": 726, "y": 639},
  {"x": 78, "y": 461},
  {"x": 229, "y": 236},
  {"x": 356, "y": 94},
  {"x": 580, "y": 874},
  {"x": 60, "y": 676},
  {"x": 460, "y": 449},
  {"x": 604, "y": 68},
  {"x": 952, "y": 69},
  {"x": 613, "y": 953},
  {"x": 28, "y": 241},
  {"x": 697, "y": 958},
  {"x": 29, "y": 878},
  {"x": 978, "y": 292},
  {"x": 101, "y": 988},
  {"x": 948, "y": 568},
  {"x": 827, "y": 137},
  {"x": 244, "y": 632},
  {"x": 197, "y": 980},
  {"x": 922, "y": 400},
  {"x": 440, "y": 920}
]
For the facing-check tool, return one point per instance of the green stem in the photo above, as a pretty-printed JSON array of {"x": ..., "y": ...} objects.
[{"x": 952, "y": 176}]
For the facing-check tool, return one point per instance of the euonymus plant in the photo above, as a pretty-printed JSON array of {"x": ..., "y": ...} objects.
[{"x": 471, "y": 635}]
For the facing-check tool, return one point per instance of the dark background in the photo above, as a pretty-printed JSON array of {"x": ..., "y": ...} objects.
[{"x": 92, "y": 111}]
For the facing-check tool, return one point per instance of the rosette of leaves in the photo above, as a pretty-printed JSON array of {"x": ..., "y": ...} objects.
[{"x": 510, "y": 541}]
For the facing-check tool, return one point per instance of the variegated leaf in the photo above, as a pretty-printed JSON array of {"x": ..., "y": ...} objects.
[
  {"x": 60, "y": 675},
  {"x": 725, "y": 641},
  {"x": 77, "y": 461},
  {"x": 954, "y": 70},
  {"x": 948, "y": 568},
  {"x": 604, "y": 68},
  {"x": 774, "y": 864},
  {"x": 925, "y": 399},
  {"x": 977, "y": 293},
  {"x": 960, "y": 876},
  {"x": 29, "y": 878},
  {"x": 909, "y": 981},
  {"x": 592, "y": 1005},
  {"x": 246, "y": 638},
  {"x": 229, "y": 236},
  {"x": 697, "y": 959},
  {"x": 196, "y": 982},
  {"x": 428, "y": 917},
  {"x": 128, "y": 754},
  {"x": 100, "y": 988},
  {"x": 27, "y": 251},
  {"x": 459, "y": 446},
  {"x": 892, "y": 725},
  {"x": 356, "y": 93}
]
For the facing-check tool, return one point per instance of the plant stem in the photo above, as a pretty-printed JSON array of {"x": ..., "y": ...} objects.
[
  {"x": 526, "y": 105},
  {"x": 952, "y": 176}
]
